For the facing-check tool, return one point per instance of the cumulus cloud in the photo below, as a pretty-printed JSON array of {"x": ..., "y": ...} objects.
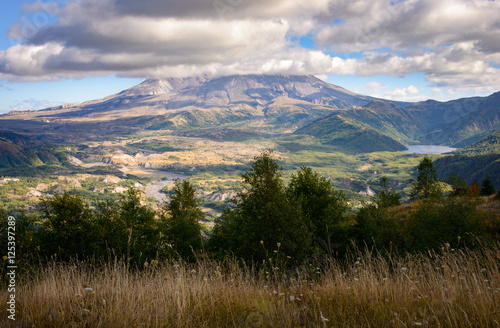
[
  {"x": 375, "y": 85},
  {"x": 454, "y": 43},
  {"x": 369, "y": 24},
  {"x": 410, "y": 93}
]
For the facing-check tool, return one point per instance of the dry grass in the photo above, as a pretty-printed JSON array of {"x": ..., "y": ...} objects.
[{"x": 458, "y": 289}]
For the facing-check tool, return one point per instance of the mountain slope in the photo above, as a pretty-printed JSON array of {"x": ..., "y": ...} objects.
[
  {"x": 387, "y": 118},
  {"x": 488, "y": 145},
  {"x": 17, "y": 150},
  {"x": 474, "y": 162},
  {"x": 200, "y": 102},
  {"x": 348, "y": 135},
  {"x": 269, "y": 103},
  {"x": 470, "y": 168},
  {"x": 457, "y": 123}
]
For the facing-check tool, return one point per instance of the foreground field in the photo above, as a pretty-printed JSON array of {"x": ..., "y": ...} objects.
[{"x": 451, "y": 289}]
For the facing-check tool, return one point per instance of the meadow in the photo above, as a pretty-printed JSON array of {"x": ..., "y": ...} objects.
[{"x": 451, "y": 288}]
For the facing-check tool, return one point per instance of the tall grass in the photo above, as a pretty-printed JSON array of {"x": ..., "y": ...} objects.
[{"x": 453, "y": 289}]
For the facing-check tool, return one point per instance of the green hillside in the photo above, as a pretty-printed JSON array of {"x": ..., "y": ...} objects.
[
  {"x": 389, "y": 119},
  {"x": 17, "y": 150},
  {"x": 460, "y": 122},
  {"x": 474, "y": 162},
  {"x": 349, "y": 135},
  {"x": 457, "y": 123},
  {"x": 487, "y": 145},
  {"x": 384, "y": 125},
  {"x": 470, "y": 168}
]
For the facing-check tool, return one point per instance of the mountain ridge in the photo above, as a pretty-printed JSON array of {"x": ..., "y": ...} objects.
[
  {"x": 175, "y": 103},
  {"x": 272, "y": 103}
]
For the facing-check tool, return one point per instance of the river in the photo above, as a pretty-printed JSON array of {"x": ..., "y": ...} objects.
[{"x": 163, "y": 178}]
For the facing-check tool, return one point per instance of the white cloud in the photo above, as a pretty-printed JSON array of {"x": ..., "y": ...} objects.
[
  {"x": 410, "y": 93},
  {"x": 412, "y": 89},
  {"x": 454, "y": 43},
  {"x": 374, "y": 85},
  {"x": 371, "y": 24},
  {"x": 323, "y": 77}
]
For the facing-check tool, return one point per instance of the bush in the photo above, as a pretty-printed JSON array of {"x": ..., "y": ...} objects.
[{"x": 454, "y": 221}]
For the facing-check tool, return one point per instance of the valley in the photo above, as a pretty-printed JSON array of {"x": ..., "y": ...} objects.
[{"x": 208, "y": 131}]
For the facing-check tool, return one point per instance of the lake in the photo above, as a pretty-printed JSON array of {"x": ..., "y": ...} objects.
[{"x": 428, "y": 149}]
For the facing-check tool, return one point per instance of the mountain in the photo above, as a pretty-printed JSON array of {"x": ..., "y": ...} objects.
[
  {"x": 17, "y": 150},
  {"x": 389, "y": 119},
  {"x": 457, "y": 123},
  {"x": 349, "y": 135},
  {"x": 264, "y": 103},
  {"x": 472, "y": 169},
  {"x": 488, "y": 145},
  {"x": 474, "y": 162},
  {"x": 175, "y": 103}
]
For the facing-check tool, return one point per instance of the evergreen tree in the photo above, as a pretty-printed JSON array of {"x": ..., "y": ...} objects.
[
  {"x": 487, "y": 187},
  {"x": 182, "y": 217},
  {"x": 323, "y": 207},
  {"x": 427, "y": 184},
  {"x": 68, "y": 228},
  {"x": 263, "y": 217},
  {"x": 137, "y": 226},
  {"x": 387, "y": 197}
]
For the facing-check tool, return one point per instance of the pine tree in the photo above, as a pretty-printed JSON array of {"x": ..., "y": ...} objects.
[
  {"x": 487, "y": 187},
  {"x": 182, "y": 218},
  {"x": 427, "y": 184},
  {"x": 324, "y": 208},
  {"x": 138, "y": 227}
]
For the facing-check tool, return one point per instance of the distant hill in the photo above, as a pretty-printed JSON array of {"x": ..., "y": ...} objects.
[
  {"x": 389, "y": 119},
  {"x": 17, "y": 150},
  {"x": 457, "y": 123},
  {"x": 474, "y": 162},
  {"x": 470, "y": 168},
  {"x": 488, "y": 145},
  {"x": 349, "y": 135},
  {"x": 269, "y": 104}
]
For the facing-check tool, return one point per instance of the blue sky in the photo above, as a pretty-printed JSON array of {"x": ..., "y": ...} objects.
[{"x": 65, "y": 51}]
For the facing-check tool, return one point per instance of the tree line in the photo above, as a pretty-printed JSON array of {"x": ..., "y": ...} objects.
[{"x": 305, "y": 219}]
